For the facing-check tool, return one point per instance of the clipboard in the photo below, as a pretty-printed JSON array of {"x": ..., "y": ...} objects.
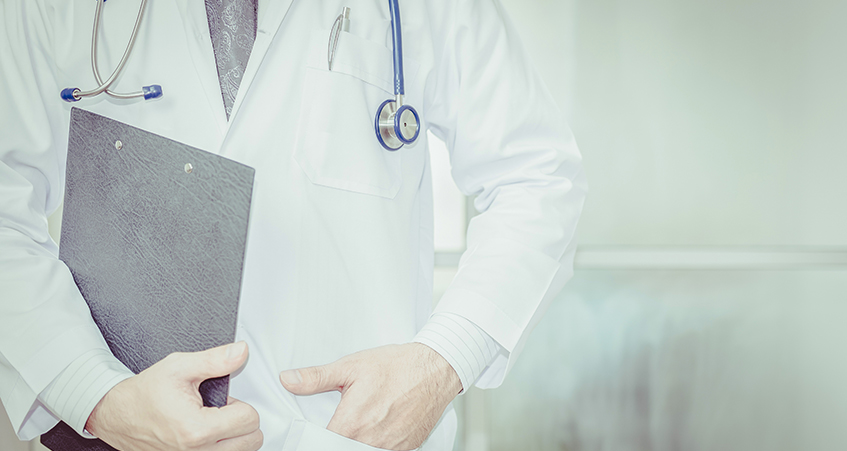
[{"x": 154, "y": 233}]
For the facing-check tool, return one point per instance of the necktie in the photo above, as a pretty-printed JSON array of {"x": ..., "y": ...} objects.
[{"x": 232, "y": 25}]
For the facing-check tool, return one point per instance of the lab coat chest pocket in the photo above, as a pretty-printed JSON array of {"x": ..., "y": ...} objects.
[{"x": 336, "y": 145}]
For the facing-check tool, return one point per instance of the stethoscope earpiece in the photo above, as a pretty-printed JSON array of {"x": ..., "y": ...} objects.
[
  {"x": 70, "y": 94},
  {"x": 396, "y": 124}
]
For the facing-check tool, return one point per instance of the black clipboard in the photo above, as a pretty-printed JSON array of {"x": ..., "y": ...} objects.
[{"x": 154, "y": 233}]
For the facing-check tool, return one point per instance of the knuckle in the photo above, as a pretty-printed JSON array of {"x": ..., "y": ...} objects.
[
  {"x": 353, "y": 366},
  {"x": 190, "y": 438},
  {"x": 259, "y": 440},
  {"x": 253, "y": 419},
  {"x": 173, "y": 357},
  {"x": 249, "y": 417},
  {"x": 318, "y": 376}
]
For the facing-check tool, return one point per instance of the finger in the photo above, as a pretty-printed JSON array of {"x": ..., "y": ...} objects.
[
  {"x": 315, "y": 379},
  {"x": 250, "y": 442},
  {"x": 236, "y": 419},
  {"x": 215, "y": 362}
]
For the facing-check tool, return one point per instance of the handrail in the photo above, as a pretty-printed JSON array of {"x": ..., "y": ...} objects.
[{"x": 748, "y": 258}]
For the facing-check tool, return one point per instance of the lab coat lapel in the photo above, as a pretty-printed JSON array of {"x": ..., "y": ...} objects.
[
  {"x": 271, "y": 22},
  {"x": 196, "y": 26}
]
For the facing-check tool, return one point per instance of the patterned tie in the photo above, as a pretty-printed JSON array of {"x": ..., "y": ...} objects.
[{"x": 232, "y": 25}]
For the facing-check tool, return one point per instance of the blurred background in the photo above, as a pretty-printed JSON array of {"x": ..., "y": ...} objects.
[{"x": 709, "y": 305}]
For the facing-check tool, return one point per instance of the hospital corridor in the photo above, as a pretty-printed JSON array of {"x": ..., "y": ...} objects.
[{"x": 708, "y": 304}]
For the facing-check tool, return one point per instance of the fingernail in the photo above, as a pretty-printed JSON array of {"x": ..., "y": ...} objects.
[
  {"x": 235, "y": 350},
  {"x": 291, "y": 377}
]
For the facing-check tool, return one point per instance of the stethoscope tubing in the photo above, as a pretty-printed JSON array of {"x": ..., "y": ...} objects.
[
  {"x": 124, "y": 58},
  {"x": 149, "y": 92},
  {"x": 397, "y": 37}
]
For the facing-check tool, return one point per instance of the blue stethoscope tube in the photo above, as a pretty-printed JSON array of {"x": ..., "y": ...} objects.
[
  {"x": 397, "y": 37},
  {"x": 396, "y": 124}
]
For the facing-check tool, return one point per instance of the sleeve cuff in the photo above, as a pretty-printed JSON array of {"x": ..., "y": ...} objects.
[
  {"x": 75, "y": 392},
  {"x": 466, "y": 347}
]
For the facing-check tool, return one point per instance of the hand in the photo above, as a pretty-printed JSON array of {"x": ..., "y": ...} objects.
[
  {"x": 391, "y": 397},
  {"x": 161, "y": 408}
]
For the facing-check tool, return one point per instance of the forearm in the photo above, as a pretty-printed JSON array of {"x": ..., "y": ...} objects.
[
  {"x": 514, "y": 152},
  {"x": 45, "y": 326}
]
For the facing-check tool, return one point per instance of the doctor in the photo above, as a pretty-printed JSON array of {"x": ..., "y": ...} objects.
[{"x": 344, "y": 349}]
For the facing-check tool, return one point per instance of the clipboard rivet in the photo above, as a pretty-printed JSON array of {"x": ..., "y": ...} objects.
[
  {"x": 188, "y": 168},
  {"x": 119, "y": 145}
]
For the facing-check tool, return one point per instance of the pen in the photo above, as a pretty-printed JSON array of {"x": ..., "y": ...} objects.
[{"x": 342, "y": 23}]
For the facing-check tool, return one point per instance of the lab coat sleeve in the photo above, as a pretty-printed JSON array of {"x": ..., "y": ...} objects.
[
  {"x": 511, "y": 148},
  {"x": 45, "y": 324},
  {"x": 466, "y": 347}
]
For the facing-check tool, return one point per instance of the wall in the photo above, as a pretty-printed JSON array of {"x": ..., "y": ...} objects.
[
  {"x": 705, "y": 123},
  {"x": 712, "y": 272}
]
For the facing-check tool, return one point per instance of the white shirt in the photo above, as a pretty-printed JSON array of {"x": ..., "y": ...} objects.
[{"x": 337, "y": 224}]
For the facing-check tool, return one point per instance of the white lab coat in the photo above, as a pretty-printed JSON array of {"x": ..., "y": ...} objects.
[{"x": 340, "y": 248}]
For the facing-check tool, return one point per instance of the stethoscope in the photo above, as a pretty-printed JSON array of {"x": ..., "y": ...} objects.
[
  {"x": 148, "y": 92},
  {"x": 395, "y": 124}
]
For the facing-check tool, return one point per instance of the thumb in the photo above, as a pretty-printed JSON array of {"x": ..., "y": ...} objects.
[
  {"x": 315, "y": 379},
  {"x": 215, "y": 362}
]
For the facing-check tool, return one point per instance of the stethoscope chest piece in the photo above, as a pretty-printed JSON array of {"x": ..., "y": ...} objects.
[
  {"x": 396, "y": 127},
  {"x": 396, "y": 124}
]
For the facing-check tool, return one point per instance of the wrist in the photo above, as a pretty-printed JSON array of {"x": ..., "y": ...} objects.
[
  {"x": 75, "y": 392},
  {"x": 91, "y": 424},
  {"x": 440, "y": 370},
  {"x": 105, "y": 408},
  {"x": 466, "y": 347}
]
